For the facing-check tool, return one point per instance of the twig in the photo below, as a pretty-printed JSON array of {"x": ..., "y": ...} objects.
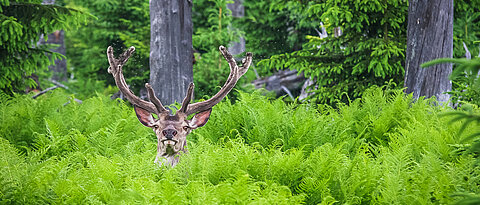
[
  {"x": 288, "y": 92},
  {"x": 256, "y": 73},
  {"x": 59, "y": 84},
  {"x": 467, "y": 53},
  {"x": 76, "y": 100},
  {"x": 44, "y": 91}
]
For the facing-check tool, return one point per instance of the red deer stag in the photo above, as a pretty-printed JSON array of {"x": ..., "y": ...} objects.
[{"x": 172, "y": 130}]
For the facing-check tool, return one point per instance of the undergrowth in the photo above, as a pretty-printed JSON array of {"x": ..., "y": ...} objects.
[{"x": 383, "y": 148}]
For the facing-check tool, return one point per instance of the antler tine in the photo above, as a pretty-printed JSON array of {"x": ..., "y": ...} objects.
[
  {"x": 116, "y": 70},
  {"x": 187, "y": 98},
  {"x": 235, "y": 73},
  {"x": 154, "y": 99},
  {"x": 122, "y": 59}
]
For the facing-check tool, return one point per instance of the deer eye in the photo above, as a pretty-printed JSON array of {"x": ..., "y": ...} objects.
[
  {"x": 185, "y": 128},
  {"x": 155, "y": 126}
]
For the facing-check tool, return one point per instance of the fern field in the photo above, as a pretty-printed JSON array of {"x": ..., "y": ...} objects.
[{"x": 384, "y": 148}]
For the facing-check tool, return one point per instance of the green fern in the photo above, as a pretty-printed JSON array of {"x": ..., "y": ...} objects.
[{"x": 383, "y": 148}]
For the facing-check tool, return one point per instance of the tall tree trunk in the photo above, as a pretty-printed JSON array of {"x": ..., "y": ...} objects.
[
  {"x": 429, "y": 36},
  {"x": 59, "y": 69},
  {"x": 238, "y": 11},
  {"x": 171, "y": 50}
]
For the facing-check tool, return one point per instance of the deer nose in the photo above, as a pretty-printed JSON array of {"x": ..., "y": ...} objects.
[{"x": 169, "y": 133}]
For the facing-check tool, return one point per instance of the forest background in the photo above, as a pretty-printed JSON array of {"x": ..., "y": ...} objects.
[{"x": 357, "y": 139}]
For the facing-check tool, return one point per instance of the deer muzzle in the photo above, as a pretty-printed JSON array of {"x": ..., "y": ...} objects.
[
  {"x": 169, "y": 137},
  {"x": 169, "y": 133}
]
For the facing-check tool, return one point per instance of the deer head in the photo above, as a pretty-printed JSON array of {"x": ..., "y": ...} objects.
[{"x": 172, "y": 130}]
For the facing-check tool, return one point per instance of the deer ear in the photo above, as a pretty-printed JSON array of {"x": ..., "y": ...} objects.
[
  {"x": 144, "y": 116},
  {"x": 200, "y": 119}
]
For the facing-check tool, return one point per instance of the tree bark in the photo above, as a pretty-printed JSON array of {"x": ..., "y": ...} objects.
[
  {"x": 171, "y": 50},
  {"x": 429, "y": 36},
  {"x": 59, "y": 69},
  {"x": 238, "y": 11}
]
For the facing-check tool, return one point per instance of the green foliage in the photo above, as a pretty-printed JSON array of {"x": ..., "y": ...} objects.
[
  {"x": 97, "y": 152},
  {"x": 466, "y": 27},
  {"x": 213, "y": 27},
  {"x": 466, "y": 87},
  {"x": 22, "y": 23},
  {"x": 119, "y": 24},
  {"x": 468, "y": 113},
  {"x": 369, "y": 52},
  {"x": 270, "y": 31},
  {"x": 383, "y": 148},
  {"x": 214, "y": 19},
  {"x": 469, "y": 117}
]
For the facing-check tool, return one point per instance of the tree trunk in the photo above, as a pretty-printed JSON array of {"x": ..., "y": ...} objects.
[
  {"x": 429, "y": 36},
  {"x": 59, "y": 69},
  {"x": 238, "y": 11},
  {"x": 171, "y": 50}
]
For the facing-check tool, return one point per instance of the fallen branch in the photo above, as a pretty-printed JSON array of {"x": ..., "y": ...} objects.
[
  {"x": 288, "y": 92},
  {"x": 289, "y": 79},
  {"x": 57, "y": 85},
  {"x": 76, "y": 100},
  {"x": 45, "y": 91}
]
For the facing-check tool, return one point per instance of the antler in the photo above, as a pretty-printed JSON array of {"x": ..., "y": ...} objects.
[
  {"x": 155, "y": 106},
  {"x": 187, "y": 98},
  {"x": 235, "y": 73}
]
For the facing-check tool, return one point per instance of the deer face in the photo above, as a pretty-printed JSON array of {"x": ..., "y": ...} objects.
[{"x": 171, "y": 130}]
